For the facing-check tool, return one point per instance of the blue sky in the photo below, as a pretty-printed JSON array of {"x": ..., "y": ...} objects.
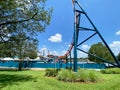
[{"x": 105, "y": 14}]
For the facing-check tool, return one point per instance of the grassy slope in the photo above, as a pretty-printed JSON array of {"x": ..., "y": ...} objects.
[{"x": 35, "y": 80}]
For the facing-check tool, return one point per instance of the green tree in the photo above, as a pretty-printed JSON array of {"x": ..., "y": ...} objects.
[
  {"x": 119, "y": 56},
  {"x": 99, "y": 50},
  {"x": 28, "y": 16},
  {"x": 32, "y": 54},
  {"x": 5, "y": 50},
  {"x": 20, "y": 22},
  {"x": 23, "y": 48}
]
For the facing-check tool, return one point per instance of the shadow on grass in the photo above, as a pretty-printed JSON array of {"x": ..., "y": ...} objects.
[
  {"x": 6, "y": 79},
  {"x": 13, "y": 70}
]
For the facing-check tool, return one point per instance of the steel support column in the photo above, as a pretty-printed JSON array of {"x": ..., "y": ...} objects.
[
  {"x": 66, "y": 62},
  {"x": 75, "y": 40},
  {"x": 70, "y": 61}
]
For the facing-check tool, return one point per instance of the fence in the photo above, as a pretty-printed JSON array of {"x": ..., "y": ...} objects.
[{"x": 35, "y": 64}]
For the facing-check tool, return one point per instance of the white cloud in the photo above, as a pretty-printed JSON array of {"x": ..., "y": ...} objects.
[
  {"x": 118, "y": 32},
  {"x": 115, "y": 46},
  {"x": 54, "y": 52},
  {"x": 56, "y": 38},
  {"x": 82, "y": 55},
  {"x": 44, "y": 49},
  {"x": 69, "y": 45},
  {"x": 85, "y": 47},
  {"x": 63, "y": 52}
]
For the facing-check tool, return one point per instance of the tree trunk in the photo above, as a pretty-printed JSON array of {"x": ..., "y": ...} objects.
[{"x": 20, "y": 65}]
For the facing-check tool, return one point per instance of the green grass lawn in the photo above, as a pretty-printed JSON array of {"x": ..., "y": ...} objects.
[{"x": 35, "y": 80}]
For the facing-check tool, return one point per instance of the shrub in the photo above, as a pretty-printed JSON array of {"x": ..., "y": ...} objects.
[
  {"x": 51, "y": 72},
  {"x": 73, "y": 77},
  {"x": 83, "y": 75},
  {"x": 63, "y": 75},
  {"x": 95, "y": 76},
  {"x": 67, "y": 76},
  {"x": 80, "y": 76},
  {"x": 111, "y": 71},
  {"x": 89, "y": 76}
]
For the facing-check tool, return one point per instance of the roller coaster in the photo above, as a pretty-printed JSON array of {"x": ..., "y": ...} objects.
[
  {"x": 76, "y": 42},
  {"x": 79, "y": 12}
]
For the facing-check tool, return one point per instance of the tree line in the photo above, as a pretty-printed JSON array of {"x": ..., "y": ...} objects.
[
  {"x": 101, "y": 51},
  {"x": 20, "y": 23}
]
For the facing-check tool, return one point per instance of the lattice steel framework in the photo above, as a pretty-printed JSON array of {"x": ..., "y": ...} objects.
[{"x": 78, "y": 13}]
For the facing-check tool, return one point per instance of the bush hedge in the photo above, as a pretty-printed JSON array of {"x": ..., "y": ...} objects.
[
  {"x": 67, "y": 76},
  {"x": 80, "y": 76},
  {"x": 51, "y": 72},
  {"x": 111, "y": 71}
]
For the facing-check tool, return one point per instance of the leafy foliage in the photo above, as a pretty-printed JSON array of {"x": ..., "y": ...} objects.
[
  {"x": 5, "y": 50},
  {"x": 111, "y": 71},
  {"x": 28, "y": 16},
  {"x": 80, "y": 76},
  {"x": 19, "y": 47},
  {"x": 89, "y": 76},
  {"x": 119, "y": 56},
  {"x": 51, "y": 72},
  {"x": 20, "y": 23},
  {"x": 101, "y": 51},
  {"x": 67, "y": 76}
]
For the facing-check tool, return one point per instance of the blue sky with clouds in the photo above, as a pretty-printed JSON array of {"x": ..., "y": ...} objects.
[{"x": 105, "y": 14}]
